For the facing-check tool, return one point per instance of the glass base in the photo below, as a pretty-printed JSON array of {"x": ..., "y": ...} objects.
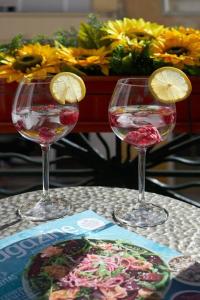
[
  {"x": 45, "y": 210},
  {"x": 141, "y": 215}
]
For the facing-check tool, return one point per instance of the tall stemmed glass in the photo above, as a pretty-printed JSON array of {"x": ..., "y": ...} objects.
[
  {"x": 138, "y": 119},
  {"x": 39, "y": 118}
]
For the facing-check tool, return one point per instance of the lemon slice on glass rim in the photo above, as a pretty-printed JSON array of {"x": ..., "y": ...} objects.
[
  {"x": 169, "y": 85},
  {"x": 67, "y": 87}
]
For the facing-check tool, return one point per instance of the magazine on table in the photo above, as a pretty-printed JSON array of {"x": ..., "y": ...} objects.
[{"x": 85, "y": 256}]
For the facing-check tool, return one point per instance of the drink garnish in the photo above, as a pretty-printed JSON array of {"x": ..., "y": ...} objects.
[
  {"x": 144, "y": 136},
  {"x": 46, "y": 134},
  {"x": 68, "y": 117},
  {"x": 169, "y": 85},
  {"x": 67, "y": 87}
]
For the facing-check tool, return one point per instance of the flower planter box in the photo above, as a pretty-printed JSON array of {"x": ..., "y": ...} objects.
[{"x": 94, "y": 108}]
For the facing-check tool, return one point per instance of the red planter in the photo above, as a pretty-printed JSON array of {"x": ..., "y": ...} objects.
[{"x": 94, "y": 108}]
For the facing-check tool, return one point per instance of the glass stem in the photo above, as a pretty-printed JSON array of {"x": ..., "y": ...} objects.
[
  {"x": 141, "y": 174},
  {"x": 45, "y": 171}
]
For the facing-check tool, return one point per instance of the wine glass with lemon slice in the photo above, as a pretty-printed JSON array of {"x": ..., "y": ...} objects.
[
  {"x": 44, "y": 111},
  {"x": 142, "y": 113}
]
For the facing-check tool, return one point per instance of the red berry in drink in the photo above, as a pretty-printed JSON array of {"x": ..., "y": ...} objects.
[
  {"x": 46, "y": 134},
  {"x": 113, "y": 120},
  {"x": 168, "y": 115},
  {"x": 143, "y": 137},
  {"x": 19, "y": 125},
  {"x": 69, "y": 117}
]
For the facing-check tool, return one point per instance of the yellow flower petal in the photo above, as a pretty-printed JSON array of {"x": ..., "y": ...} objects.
[{"x": 177, "y": 48}]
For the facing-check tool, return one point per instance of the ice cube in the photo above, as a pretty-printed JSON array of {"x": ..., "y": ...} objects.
[
  {"x": 125, "y": 120},
  {"x": 32, "y": 120},
  {"x": 156, "y": 120}
]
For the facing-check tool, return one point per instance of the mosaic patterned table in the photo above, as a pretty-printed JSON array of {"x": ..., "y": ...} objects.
[{"x": 181, "y": 231}]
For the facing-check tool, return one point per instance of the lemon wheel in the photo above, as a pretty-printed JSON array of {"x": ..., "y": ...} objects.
[
  {"x": 169, "y": 85},
  {"x": 67, "y": 87}
]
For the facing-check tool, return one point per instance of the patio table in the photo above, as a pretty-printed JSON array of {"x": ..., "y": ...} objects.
[{"x": 181, "y": 231}]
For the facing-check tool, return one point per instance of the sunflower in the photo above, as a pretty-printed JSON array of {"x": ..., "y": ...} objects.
[
  {"x": 119, "y": 33},
  {"x": 38, "y": 59},
  {"x": 188, "y": 30},
  {"x": 81, "y": 57},
  {"x": 177, "y": 48},
  {"x": 65, "y": 54},
  {"x": 32, "y": 60},
  {"x": 7, "y": 71},
  {"x": 129, "y": 46},
  {"x": 145, "y": 30},
  {"x": 131, "y": 33}
]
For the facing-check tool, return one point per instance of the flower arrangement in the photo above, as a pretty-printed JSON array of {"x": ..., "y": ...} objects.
[{"x": 114, "y": 47}]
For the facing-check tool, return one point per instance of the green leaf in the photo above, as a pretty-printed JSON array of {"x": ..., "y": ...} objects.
[
  {"x": 192, "y": 70},
  {"x": 117, "y": 271},
  {"x": 68, "y": 38},
  {"x": 4, "y": 48},
  {"x": 42, "y": 39},
  {"x": 68, "y": 68},
  {"x": 116, "y": 60},
  {"x": 84, "y": 292},
  {"x": 17, "y": 42},
  {"x": 103, "y": 272},
  {"x": 90, "y": 34},
  {"x": 142, "y": 64}
]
